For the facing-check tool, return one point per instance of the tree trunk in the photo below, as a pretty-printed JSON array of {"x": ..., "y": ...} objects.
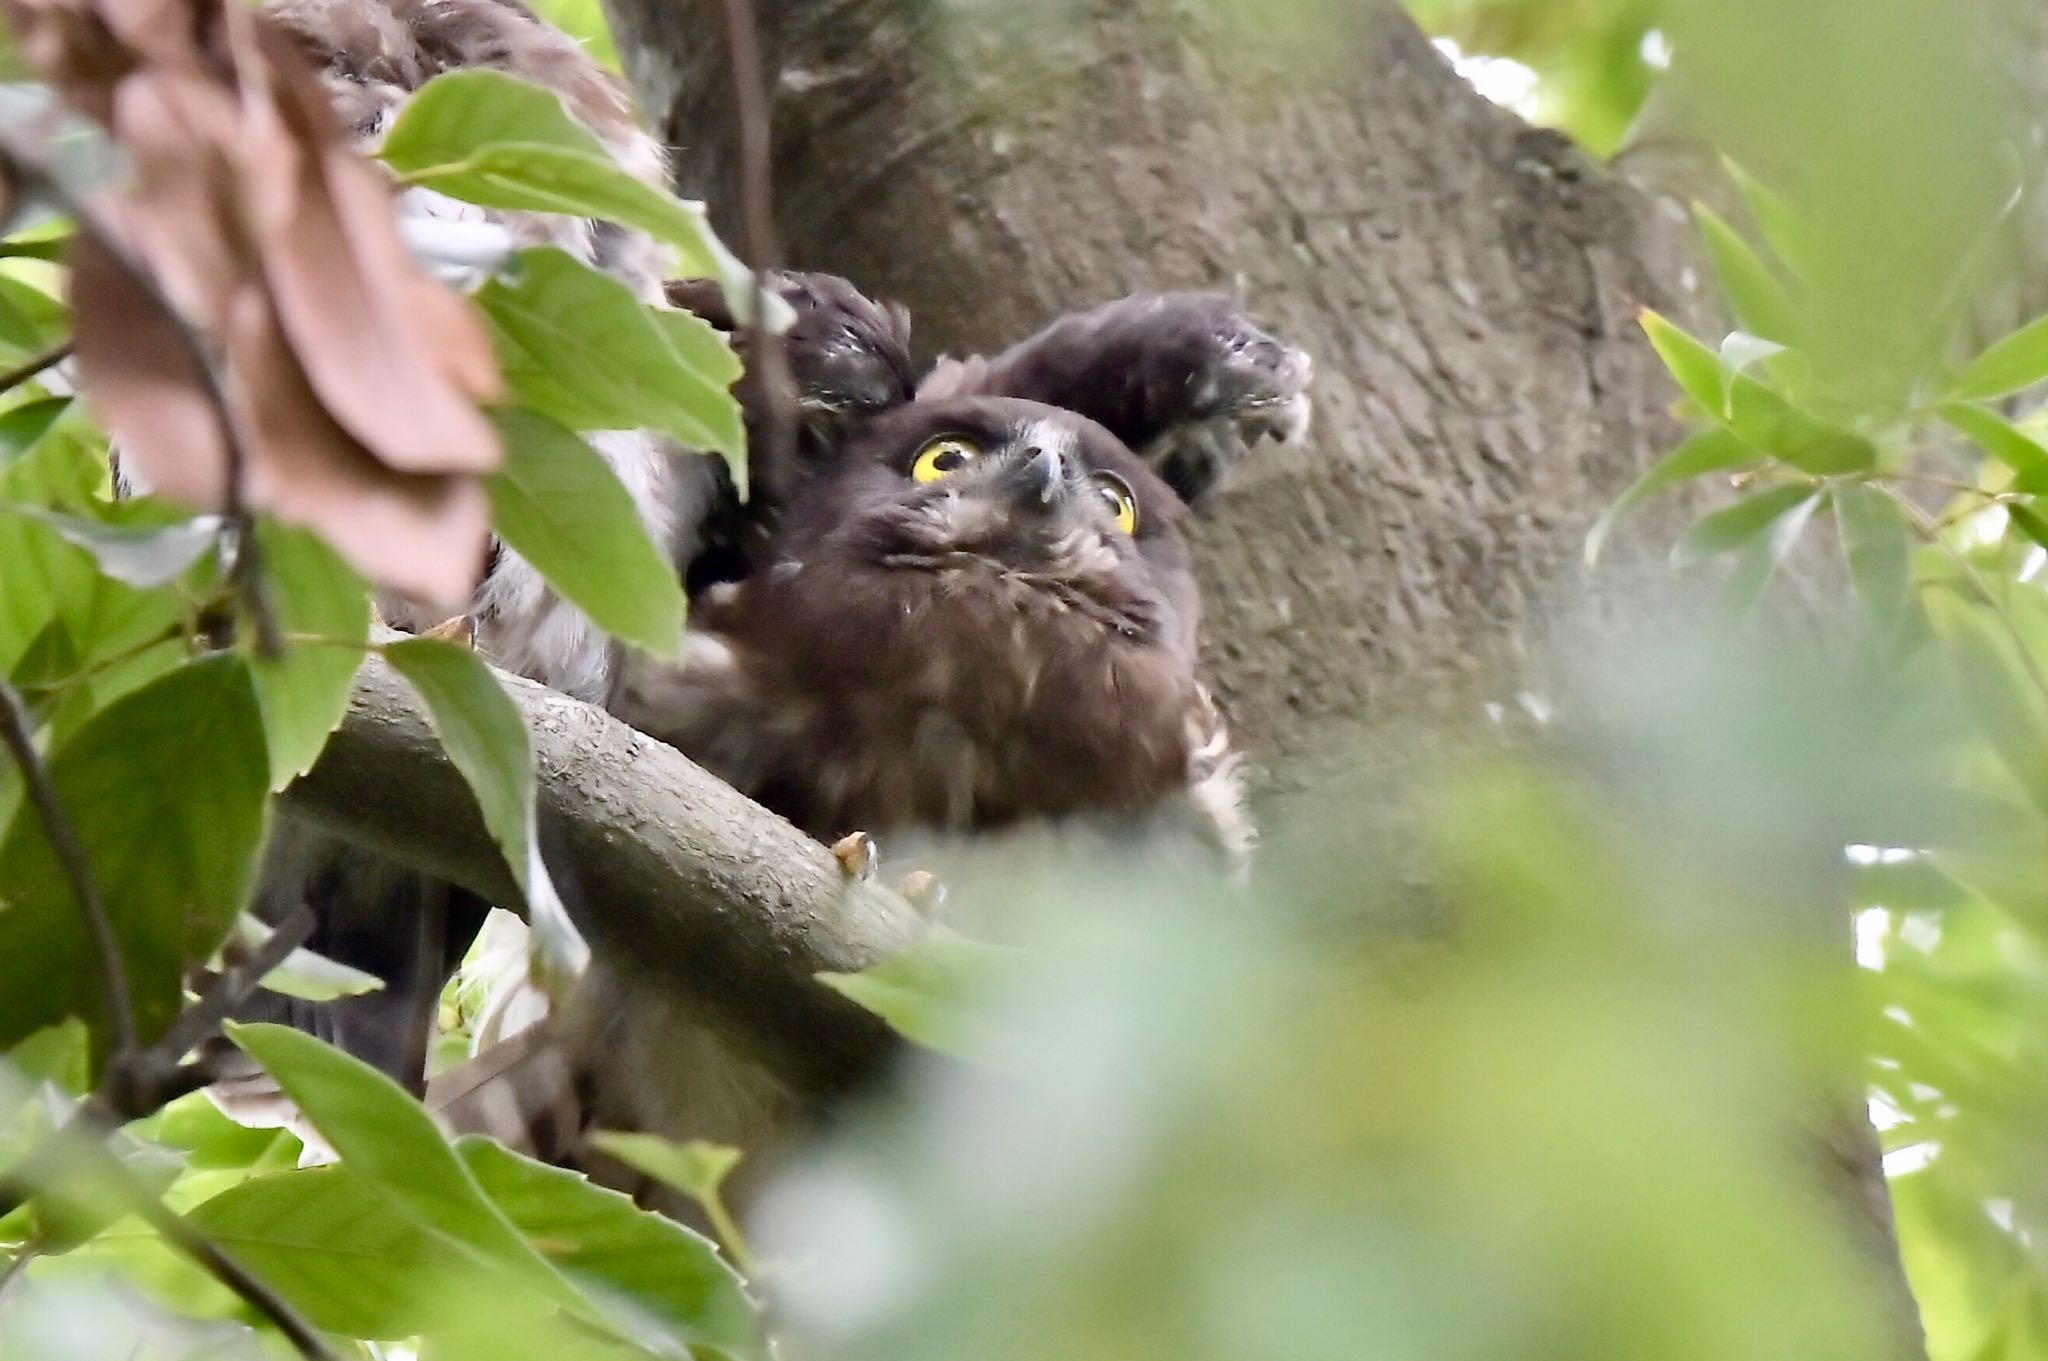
[{"x": 1467, "y": 284}]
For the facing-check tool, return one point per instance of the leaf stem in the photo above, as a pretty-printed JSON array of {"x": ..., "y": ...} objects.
[{"x": 35, "y": 364}]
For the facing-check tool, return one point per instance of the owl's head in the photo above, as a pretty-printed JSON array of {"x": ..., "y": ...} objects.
[{"x": 1035, "y": 500}]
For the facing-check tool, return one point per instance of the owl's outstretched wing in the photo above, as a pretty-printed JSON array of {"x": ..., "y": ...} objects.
[{"x": 1186, "y": 379}]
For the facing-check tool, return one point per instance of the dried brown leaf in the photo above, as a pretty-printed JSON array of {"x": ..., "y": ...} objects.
[{"x": 350, "y": 377}]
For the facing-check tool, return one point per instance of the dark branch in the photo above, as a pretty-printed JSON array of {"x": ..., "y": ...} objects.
[
  {"x": 776, "y": 397},
  {"x": 70, "y": 851},
  {"x": 664, "y": 868},
  {"x": 35, "y": 364}
]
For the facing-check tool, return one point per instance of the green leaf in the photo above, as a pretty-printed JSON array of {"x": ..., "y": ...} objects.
[
  {"x": 576, "y": 345},
  {"x": 490, "y": 139},
  {"x": 304, "y": 691},
  {"x": 1877, "y": 543},
  {"x": 1735, "y": 526},
  {"x": 328, "y": 1240},
  {"x": 304, "y": 973},
  {"x": 56, "y": 1054},
  {"x": 2005, "y": 442},
  {"x": 1772, "y": 424},
  {"x": 166, "y": 789},
  {"x": 1755, "y": 293},
  {"x": 481, "y": 729},
  {"x": 2000, "y": 687},
  {"x": 2030, "y": 523},
  {"x": 484, "y": 736},
  {"x": 1703, "y": 452},
  {"x": 22, "y": 426},
  {"x": 932, "y": 992},
  {"x": 1781, "y": 227},
  {"x": 696, "y": 1168},
  {"x": 138, "y": 554},
  {"x": 2017, "y": 361},
  {"x": 616, "y": 1253},
  {"x": 1696, "y": 367},
  {"x": 561, "y": 507},
  {"x": 387, "y": 1138},
  {"x": 30, "y": 320}
]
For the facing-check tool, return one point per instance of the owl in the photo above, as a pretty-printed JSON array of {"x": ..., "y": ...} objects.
[
  {"x": 967, "y": 609},
  {"x": 955, "y": 604},
  {"x": 970, "y": 604}
]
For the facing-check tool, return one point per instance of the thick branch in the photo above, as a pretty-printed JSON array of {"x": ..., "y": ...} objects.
[{"x": 660, "y": 864}]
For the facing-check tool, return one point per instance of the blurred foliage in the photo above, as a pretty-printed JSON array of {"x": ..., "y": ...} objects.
[{"x": 1592, "y": 59}]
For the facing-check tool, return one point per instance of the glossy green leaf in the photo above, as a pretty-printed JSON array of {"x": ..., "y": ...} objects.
[
  {"x": 1696, "y": 368},
  {"x": 304, "y": 691},
  {"x": 1759, "y": 298},
  {"x": 930, "y": 993},
  {"x": 1877, "y": 544},
  {"x": 485, "y": 137},
  {"x": 1705, "y": 451},
  {"x": 330, "y": 1241},
  {"x": 561, "y": 507},
  {"x": 384, "y": 1136},
  {"x": 576, "y": 345},
  {"x": 1765, "y": 419},
  {"x": 166, "y": 789},
  {"x": 1734, "y": 527},
  {"x": 483, "y": 734},
  {"x": 2004, "y": 441},
  {"x": 621, "y": 1255},
  {"x": 2018, "y": 360}
]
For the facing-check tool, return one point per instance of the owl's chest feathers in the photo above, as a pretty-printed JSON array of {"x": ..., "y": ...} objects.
[{"x": 961, "y": 696}]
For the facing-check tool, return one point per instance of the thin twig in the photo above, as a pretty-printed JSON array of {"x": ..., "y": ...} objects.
[
  {"x": 70, "y": 852},
  {"x": 757, "y": 241},
  {"x": 212, "y": 1258},
  {"x": 246, "y": 574},
  {"x": 1931, "y": 534},
  {"x": 235, "y": 983},
  {"x": 29, "y": 368}
]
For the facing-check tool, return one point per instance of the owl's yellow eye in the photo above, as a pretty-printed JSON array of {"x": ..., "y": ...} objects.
[
  {"x": 1116, "y": 496},
  {"x": 943, "y": 457}
]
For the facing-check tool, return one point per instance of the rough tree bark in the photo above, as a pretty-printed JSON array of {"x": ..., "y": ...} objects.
[{"x": 1468, "y": 286}]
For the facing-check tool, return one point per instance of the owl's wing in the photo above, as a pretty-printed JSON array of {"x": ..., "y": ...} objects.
[
  {"x": 1186, "y": 379},
  {"x": 848, "y": 357}
]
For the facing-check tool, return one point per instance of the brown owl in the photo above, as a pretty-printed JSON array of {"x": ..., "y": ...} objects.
[
  {"x": 973, "y": 607},
  {"x": 964, "y": 611}
]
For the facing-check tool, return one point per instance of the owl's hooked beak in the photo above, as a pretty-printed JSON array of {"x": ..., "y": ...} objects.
[{"x": 1044, "y": 472}]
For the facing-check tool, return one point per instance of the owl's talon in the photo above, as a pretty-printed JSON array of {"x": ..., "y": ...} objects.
[
  {"x": 859, "y": 856},
  {"x": 923, "y": 891},
  {"x": 461, "y": 630}
]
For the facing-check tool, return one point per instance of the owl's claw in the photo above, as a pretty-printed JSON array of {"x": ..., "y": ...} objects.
[
  {"x": 859, "y": 856},
  {"x": 923, "y": 891},
  {"x": 461, "y": 630}
]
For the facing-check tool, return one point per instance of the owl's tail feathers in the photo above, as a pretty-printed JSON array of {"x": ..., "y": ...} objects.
[{"x": 525, "y": 1092}]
